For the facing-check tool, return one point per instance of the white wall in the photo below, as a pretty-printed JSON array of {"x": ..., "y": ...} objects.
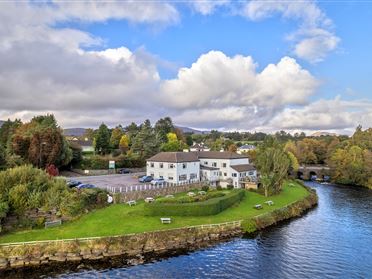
[{"x": 167, "y": 172}]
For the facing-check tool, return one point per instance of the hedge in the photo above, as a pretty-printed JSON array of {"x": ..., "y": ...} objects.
[
  {"x": 209, "y": 207},
  {"x": 97, "y": 162}
]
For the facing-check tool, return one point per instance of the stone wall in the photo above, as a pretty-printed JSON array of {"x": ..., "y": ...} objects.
[
  {"x": 137, "y": 195},
  {"x": 132, "y": 249}
]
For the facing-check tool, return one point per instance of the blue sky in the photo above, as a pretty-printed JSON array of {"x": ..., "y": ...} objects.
[{"x": 247, "y": 65}]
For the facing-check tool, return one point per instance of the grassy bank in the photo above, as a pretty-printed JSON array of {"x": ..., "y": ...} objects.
[{"x": 121, "y": 219}]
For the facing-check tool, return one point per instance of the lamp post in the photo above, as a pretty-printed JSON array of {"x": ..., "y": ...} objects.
[{"x": 40, "y": 151}]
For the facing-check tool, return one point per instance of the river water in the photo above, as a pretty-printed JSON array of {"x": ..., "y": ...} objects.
[{"x": 334, "y": 240}]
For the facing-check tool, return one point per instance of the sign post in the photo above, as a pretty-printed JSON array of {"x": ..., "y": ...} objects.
[{"x": 111, "y": 166}]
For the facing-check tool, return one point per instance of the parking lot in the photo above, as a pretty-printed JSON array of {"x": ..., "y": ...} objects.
[{"x": 112, "y": 180}]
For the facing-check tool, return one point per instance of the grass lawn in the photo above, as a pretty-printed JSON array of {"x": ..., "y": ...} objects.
[{"x": 121, "y": 219}]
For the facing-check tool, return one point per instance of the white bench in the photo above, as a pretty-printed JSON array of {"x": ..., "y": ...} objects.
[
  {"x": 148, "y": 200},
  {"x": 269, "y": 203},
  {"x": 169, "y": 196},
  {"x": 130, "y": 203},
  {"x": 166, "y": 220},
  {"x": 202, "y": 193},
  {"x": 258, "y": 206},
  {"x": 191, "y": 194}
]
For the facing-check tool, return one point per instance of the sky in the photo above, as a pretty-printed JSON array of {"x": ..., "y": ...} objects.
[{"x": 227, "y": 65}]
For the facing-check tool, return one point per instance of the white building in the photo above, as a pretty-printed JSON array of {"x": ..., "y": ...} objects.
[
  {"x": 174, "y": 167},
  {"x": 245, "y": 148},
  {"x": 196, "y": 147},
  {"x": 216, "y": 168}
]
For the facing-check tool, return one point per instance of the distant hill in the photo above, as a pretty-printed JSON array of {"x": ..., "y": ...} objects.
[
  {"x": 77, "y": 132},
  {"x": 191, "y": 130},
  {"x": 320, "y": 134}
]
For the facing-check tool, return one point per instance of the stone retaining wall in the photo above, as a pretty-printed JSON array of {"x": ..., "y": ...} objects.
[
  {"x": 132, "y": 249},
  {"x": 137, "y": 195},
  {"x": 107, "y": 171}
]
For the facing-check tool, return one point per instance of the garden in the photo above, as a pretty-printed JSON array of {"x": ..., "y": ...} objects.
[{"x": 120, "y": 219}]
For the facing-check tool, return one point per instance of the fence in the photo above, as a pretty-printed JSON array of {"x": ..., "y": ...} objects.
[{"x": 146, "y": 187}]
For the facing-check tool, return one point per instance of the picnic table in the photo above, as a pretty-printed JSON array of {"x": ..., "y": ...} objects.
[
  {"x": 148, "y": 200},
  {"x": 191, "y": 194},
  {"x": 55, "y": 223},
  {"x": 130, "y": 203},
  {"x": 202, "y": 193},
  {"x": 166, "y": 220},
  {"x": 258, "y": 206},
  {"x": 269, "y": 203}
]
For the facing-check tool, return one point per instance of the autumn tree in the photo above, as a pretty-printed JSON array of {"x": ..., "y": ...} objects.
[
  {"x": 115, "y": 138},
  {"x": 124, "y": 143}
]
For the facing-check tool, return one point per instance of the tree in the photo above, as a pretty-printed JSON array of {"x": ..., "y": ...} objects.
[
  {"x": 232, "y": 148},
  {"x": 124, "y": 143},
  {"x": 189, "y": 140},
  {"x": 145, "y": 142},
  {"x": 162, "y": 127},
  {"x": 115, "y": 138},
  {"x": 273, "y": 164},
  {"x": 2, "y": 156},
  {"x": 41, "y": 142},
  {"x": 102, "y": 140},
  {"x": 173, "y": 143}
]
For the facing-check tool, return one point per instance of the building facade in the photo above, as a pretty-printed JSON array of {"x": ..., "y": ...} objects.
[{"x": 213, "y": 167}]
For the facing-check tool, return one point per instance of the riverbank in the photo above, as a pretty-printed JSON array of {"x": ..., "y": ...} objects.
[{"x": 137, "y": 248}]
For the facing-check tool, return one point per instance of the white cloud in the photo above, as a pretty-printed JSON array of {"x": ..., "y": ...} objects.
[
  {"x": 314, "y": 38},
  {"x": 333, "y": 114},
  {"x": 208, "y": 7},
  {"x": 219, "y": 87}
]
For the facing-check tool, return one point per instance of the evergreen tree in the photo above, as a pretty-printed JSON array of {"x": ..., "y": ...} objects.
[{"x": 102, "y": 140}]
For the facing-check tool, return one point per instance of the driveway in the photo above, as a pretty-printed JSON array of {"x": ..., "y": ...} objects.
[{"x": 112, "y": 180}]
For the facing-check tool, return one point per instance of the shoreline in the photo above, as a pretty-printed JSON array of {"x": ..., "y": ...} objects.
[{"x": 129, "y": 250}]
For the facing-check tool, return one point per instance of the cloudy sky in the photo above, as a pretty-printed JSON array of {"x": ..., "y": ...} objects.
[{"x": 246, "y": 65}]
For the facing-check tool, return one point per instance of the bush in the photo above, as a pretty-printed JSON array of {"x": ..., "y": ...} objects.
[
  {"x": 219, "y": 188},
  {"x": 230, "y": 187},
  {"x": 97, "y": 162},
  {"x": 205, "y": 188},
  {"x": 209, "y": 207}
]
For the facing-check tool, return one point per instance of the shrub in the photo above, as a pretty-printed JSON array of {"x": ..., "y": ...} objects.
[
  {"x": 117, "y": 198},
  {"x": 205, "y": 188},
  {"x": 209, "y": 207},
  {"x": 230, "y": 187},
  {"x": 219, "y": 188}
]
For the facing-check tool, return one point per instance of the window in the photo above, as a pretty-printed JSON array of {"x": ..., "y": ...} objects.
[
  {"x": 224, "y": 165},
  {"x": 224, "y": 174},
  {"x": 151, "y": 164},
  {"x": 193, "y": 176},
  {"x": 220, "y": 173},
  {"x": 152, "y": 174},
  {"x": 184, "y": 165},
  {"x": 170, "y": 166},
  {"x": 160, "y": 176},
  {"x": 251, "y": 173},
  {"x": 161, "y": 165},
  {"x": 234, "y": 174},
  {"x": 182, "y": 177},
  {"x": 236, "y": 183},
  {"x": 214, "y": 164},
  {"x": 205, "y": 163},
  {"x": 170, "y": 177}
]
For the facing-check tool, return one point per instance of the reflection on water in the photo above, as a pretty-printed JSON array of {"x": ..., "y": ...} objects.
[{"x": 333, "y": 240}]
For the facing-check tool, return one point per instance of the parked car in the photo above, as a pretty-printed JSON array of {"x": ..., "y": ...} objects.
[
  {"x": 73, "y": 183},
  {"x": 85, "y": 186},
  {"x": 145, "y": 178},
  {"x": 158, "y": 181},
  {"x": 123, "y": 171}
]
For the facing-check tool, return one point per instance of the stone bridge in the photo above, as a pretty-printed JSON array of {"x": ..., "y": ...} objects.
[{"x": 306, "y": 172}]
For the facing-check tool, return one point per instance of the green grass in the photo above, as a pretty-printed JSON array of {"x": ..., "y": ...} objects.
[{"x": 121, "y": 219}]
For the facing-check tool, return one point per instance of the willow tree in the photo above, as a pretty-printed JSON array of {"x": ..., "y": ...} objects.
[{"x": 273, "y": 164}]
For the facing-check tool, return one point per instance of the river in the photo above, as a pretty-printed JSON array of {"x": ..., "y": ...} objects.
[{"x": 333, "y": 240}]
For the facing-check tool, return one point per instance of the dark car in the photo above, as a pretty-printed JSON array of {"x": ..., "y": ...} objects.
[
  {"x": 73, "y": 183},
  {"x": 146, "y": 178},
  {"x": 85, "y": 186},
  {"x": 123, "y": 171}
]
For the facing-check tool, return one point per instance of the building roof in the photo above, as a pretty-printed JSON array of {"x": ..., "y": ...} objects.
[
  {"x": 208, "y": 168},
  {"x": 220, "y": 155},
  {"x": 247, "y": 146},
  {"x": 243, "y": 167},
  {"x": 174, "y": 157}
]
